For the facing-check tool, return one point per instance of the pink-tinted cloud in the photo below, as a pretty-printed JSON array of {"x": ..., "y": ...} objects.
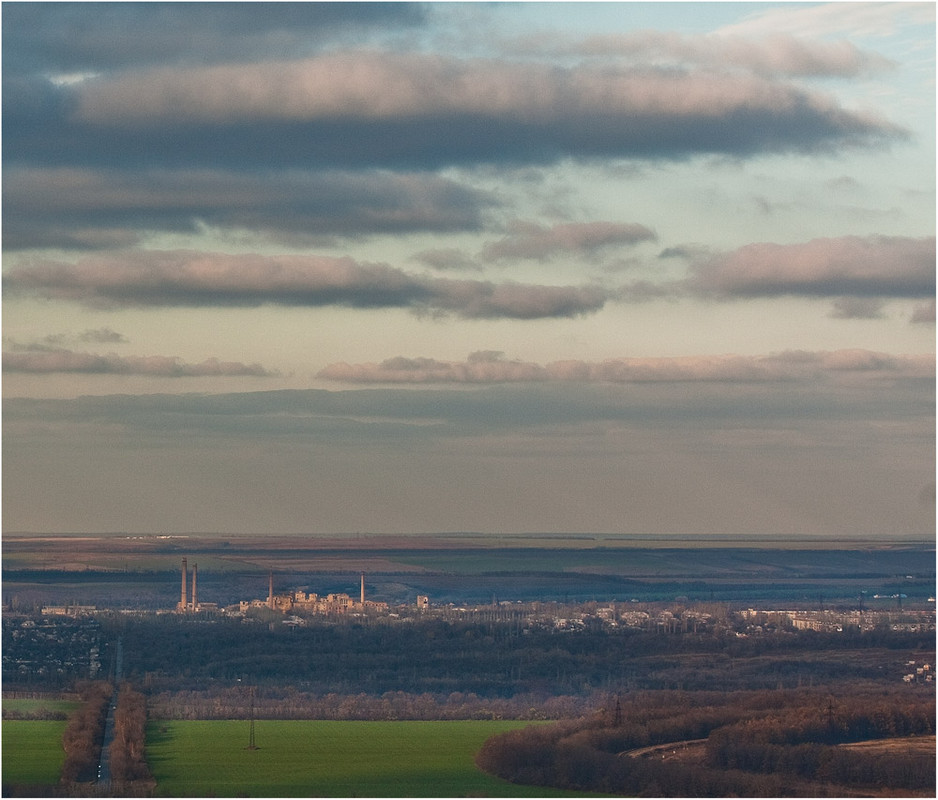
[
  {"x": 191, "y": 278},
  {"x": 492, "y": 367},
  {"x": 771, "y": 55},
  {"x": 876, "y": 266},
  {"x": 69, "y": 361},
  {"x": 376, "y": 85}
]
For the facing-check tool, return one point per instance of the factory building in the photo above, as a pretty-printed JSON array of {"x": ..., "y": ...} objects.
[
  {"x": 311, "y": 603},
  {"x": 191, "y": 604},
  {"x": 285, "y": 603}
]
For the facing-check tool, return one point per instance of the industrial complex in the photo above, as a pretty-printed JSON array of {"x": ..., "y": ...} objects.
[{"x": 286, "y": 603}]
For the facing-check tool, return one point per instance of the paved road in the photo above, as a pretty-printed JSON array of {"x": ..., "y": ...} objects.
[
  {"x": 664, "y": 749},
  {"x": 104, "y": 766}
]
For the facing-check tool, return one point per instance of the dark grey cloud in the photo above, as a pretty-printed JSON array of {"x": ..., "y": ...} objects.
[
  {"x": 366, "y": 109},
  {"x": 77, "y": 37},
  {"x": 50, "y": 361},
  {"x": 445, "y": 258},
  {"x": 528, "y": 240},
  {"x": 86, "y": 208},
  {"x": 685, "y": 251},
  {"x": 857, "y": 308},
  {"x": 189, "y": 278}
]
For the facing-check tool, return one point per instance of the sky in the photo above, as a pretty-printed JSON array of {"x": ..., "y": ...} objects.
[{"x": 637, "y": 268}]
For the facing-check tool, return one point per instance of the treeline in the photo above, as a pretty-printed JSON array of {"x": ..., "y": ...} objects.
[
  {"x": 127, "y": 750},
  {"x": 85, "y": 732},
  {"x": 800, "y": 743},
  {"x": 288, "y": 703},
  {"x": 490, "y": 659},
  {"x": 36, "y": 713},
  {"x": 756, "y": 745}
]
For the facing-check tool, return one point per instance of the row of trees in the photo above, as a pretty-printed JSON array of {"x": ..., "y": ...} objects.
[
  {"x": 85, "y": 731},
  {"x": 490, "y": 659},
  {"x": 755, "y": 746},
  {"x": 289, "y": 703},
  {"x": 800, "y": 742},
  {"x": 38, "y": 713},
  {"x": 127, "y": 754}
]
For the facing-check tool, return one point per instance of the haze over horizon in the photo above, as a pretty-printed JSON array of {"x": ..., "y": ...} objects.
[{"x": 637, "y": 268}]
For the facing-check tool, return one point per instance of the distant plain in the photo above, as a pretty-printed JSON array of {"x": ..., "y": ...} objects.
[{"x": 467, "y": 568}]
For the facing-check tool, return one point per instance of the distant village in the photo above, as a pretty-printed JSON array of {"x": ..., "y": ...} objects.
[
  {"x": 300, "y": 607},
  {"x": 678, "y": 617}
]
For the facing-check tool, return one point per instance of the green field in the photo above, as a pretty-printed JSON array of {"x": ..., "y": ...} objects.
[
  {"x": 37, "y": 706},
  {"x": 32, "y": 752},
  {"x": 304, "y": 758}
]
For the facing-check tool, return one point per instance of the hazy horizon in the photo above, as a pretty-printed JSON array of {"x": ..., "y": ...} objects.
[{"x": 637, "y": 269}]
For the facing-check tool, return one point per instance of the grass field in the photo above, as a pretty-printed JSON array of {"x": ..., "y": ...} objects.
[
  {"x": 303, "y": 758},
  {"x": 32, "y": 752},
  {"x": 36, "y": 706}
]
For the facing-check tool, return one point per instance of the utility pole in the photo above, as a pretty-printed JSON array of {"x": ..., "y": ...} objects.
[{"x": 252, "y": 745}]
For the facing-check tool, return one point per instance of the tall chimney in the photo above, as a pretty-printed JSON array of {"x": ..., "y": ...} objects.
[
  {"x": 270, "y": 591},
  {"x": 182, "y": 598},
  {"x": 363, "y": 588},
  {"x": 195, "y": 572}
]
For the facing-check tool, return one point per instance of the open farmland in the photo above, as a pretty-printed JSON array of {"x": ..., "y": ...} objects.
[
  {"x": 303, "y": 758},
  {"x": 32, "y": 753},
  {"x": 32, "y": 740}
]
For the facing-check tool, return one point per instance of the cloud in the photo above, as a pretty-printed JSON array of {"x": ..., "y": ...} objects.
[
  {"x": 86, "y": 208},
  {"x": 445, "y": 258},
  {"x": 190, "y": 278},
  {"x": 102, "y": 336},
  {"x": 924, "y": 312},
  {"x": 55, "y": 341},
  {"x": 814, "y": 21},
  {"x": 68, "y": 361},
  {"x": 857, "y": 308},
  {"x": 75, "y": 37},
  {"x": 782, "y": 456},
  {"x": 385, "y": 86},
  {"x": 370, "y": 108},
  {"x": 686, "y": 251},
  {"x": 777, "y": 54},
  {"x": 533, "y": 241},
  {"x": 492, "y": 367},
  {"x": 850, "y": 266},
  {"x": 481, "y": 367}
]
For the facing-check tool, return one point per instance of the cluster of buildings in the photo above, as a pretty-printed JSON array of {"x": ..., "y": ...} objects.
[
  {"x": 310, "y": 603},
  {"x": 922, "y": 674},
  {"x": 285, "y": 603},
  {"x": 662, "y": 621},
  {"x": 68, "y": 610},
  {"x": 839, "y": 621},
  {"x": 54, "y": 647}
]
